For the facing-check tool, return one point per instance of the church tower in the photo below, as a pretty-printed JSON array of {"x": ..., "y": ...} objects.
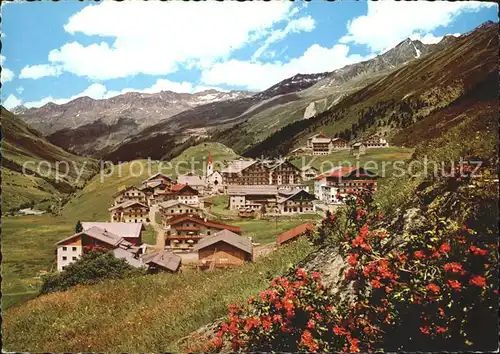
[{"x": 210, "y": 166}]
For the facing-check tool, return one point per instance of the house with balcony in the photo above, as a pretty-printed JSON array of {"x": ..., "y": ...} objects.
[
  {"x": 342, "y": 181},
  {"x": 184, "y": 232},
  {"x": 128, "y": 194},
  {"x": 129, "y": 212},
  {"x": 298, "y": 202}
]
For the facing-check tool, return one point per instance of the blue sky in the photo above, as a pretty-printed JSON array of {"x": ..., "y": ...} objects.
[{"x": 57, "y": 51}]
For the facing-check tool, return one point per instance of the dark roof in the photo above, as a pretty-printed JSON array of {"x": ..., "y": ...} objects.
[
  {"x": 124, "y": 190},
  {"x": 122, "y": 229},
  {"x": 243, "y": 243},
  {"x": 99, "y": 234},
  {"x": 164, "y": 259},
  {"x": 127, "y": 204},
  {"x": 294, "y": 233}
]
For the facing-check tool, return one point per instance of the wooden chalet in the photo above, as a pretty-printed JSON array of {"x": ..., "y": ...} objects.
[
  {"x": 162, "y": 261},
  {"x": 224, "y": 249},
  {"x": 186, "y": 231},
  {"x": 339, "y": 144},
  {"x": 129, "y": 194},
  {"x": 130, "y": 211},
  {"x": 358, "y": 149},
  {"x": 159, "y": 177},
  {"x": 182, "y": 193},
  {"x": 299, "y": 202}
]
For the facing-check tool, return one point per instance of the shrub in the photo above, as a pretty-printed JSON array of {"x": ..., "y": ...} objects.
[
  {"x": 94, "y": 266},
  {"x": 436, "y": 291}
]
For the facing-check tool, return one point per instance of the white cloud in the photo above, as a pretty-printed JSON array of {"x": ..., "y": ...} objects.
[
  {"x": 7, "y": 75},
  {"x": 389, "y": 22},
  {"x": 11, "y": 102},
  {"x": 429, "y": 38},
  {"x": 39, "y": 71},
  {"x": 306, "y": 24},
  {"x": 259, "y": 76},
  {"x": 20, "y": 90},
  {"x": 164, "y": 35}
]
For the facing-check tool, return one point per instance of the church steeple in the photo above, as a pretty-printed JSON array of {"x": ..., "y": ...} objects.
[{"x": 210, "y": 167}]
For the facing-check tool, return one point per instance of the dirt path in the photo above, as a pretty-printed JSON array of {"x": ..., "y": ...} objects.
[
  {"x": 160, "y": 234},
  {"x": 263, "y": 250}
]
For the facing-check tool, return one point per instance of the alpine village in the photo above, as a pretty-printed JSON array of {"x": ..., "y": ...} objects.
[{"x": 349, "y": 211}]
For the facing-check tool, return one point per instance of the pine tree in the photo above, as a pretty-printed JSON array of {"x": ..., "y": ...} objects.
[{"x": 78, "y": 227}]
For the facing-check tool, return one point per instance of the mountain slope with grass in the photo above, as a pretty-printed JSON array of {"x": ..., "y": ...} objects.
[
  {"x": 403, "y": 98},
  {"x": 52, "y": 173}
]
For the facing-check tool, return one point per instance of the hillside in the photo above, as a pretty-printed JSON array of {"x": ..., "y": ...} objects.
[
  {"x": 41, "y": 186},
  {"x": 402, "y": 98}
]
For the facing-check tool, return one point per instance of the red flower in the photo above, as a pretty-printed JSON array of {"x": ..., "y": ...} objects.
[
  {"x": 306, "y": 337},
  {"x": 478, "y": 251},
  {"x": 419, "y": 254},
  {"x": 353, "y": 259},
  {"x": 354, "y": 345},
  {"x": 277, "y": 318},
  {"x": 440, "y": 329},
  {"x": 455, "y": 284},
  {"x": 425, "y": 330},
  {"x": 266, "y": 324},
  {"x": 278, "y": 305},
  {"x": 453, "y": 267},
  {"x": 251, "y": 323},
  {"x": 316, "y": 275},
  {"x": 433, "y": 287},
  {"x": 311, "y": 324},
  {"x": 363, "y": 232},
  {"x": 478, "y": 281},
  {"x": 445, "y": 248},
  {"x": 376, "y": 284},
  {"x": 339, "y": 330},
  {"x": 301, "y": 273}
]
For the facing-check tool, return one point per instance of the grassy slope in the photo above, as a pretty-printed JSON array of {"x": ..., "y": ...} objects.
[
  {"x": 21, "y": 144},
  {"x": 374, "y": 160},
  {"x": 149, "y": 313}
]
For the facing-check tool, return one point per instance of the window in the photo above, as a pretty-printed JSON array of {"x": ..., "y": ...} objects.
[
  {"x": 74, "y": 249},
  {"x": 74, "y": 258},
  {"x": 208, "y": 233},
  {"x": 63, "y": 267},
  {"x": 64, "y": 258}
]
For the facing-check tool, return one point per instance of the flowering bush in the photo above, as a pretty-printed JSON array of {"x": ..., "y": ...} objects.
[{"x": 436, "y": 291}]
